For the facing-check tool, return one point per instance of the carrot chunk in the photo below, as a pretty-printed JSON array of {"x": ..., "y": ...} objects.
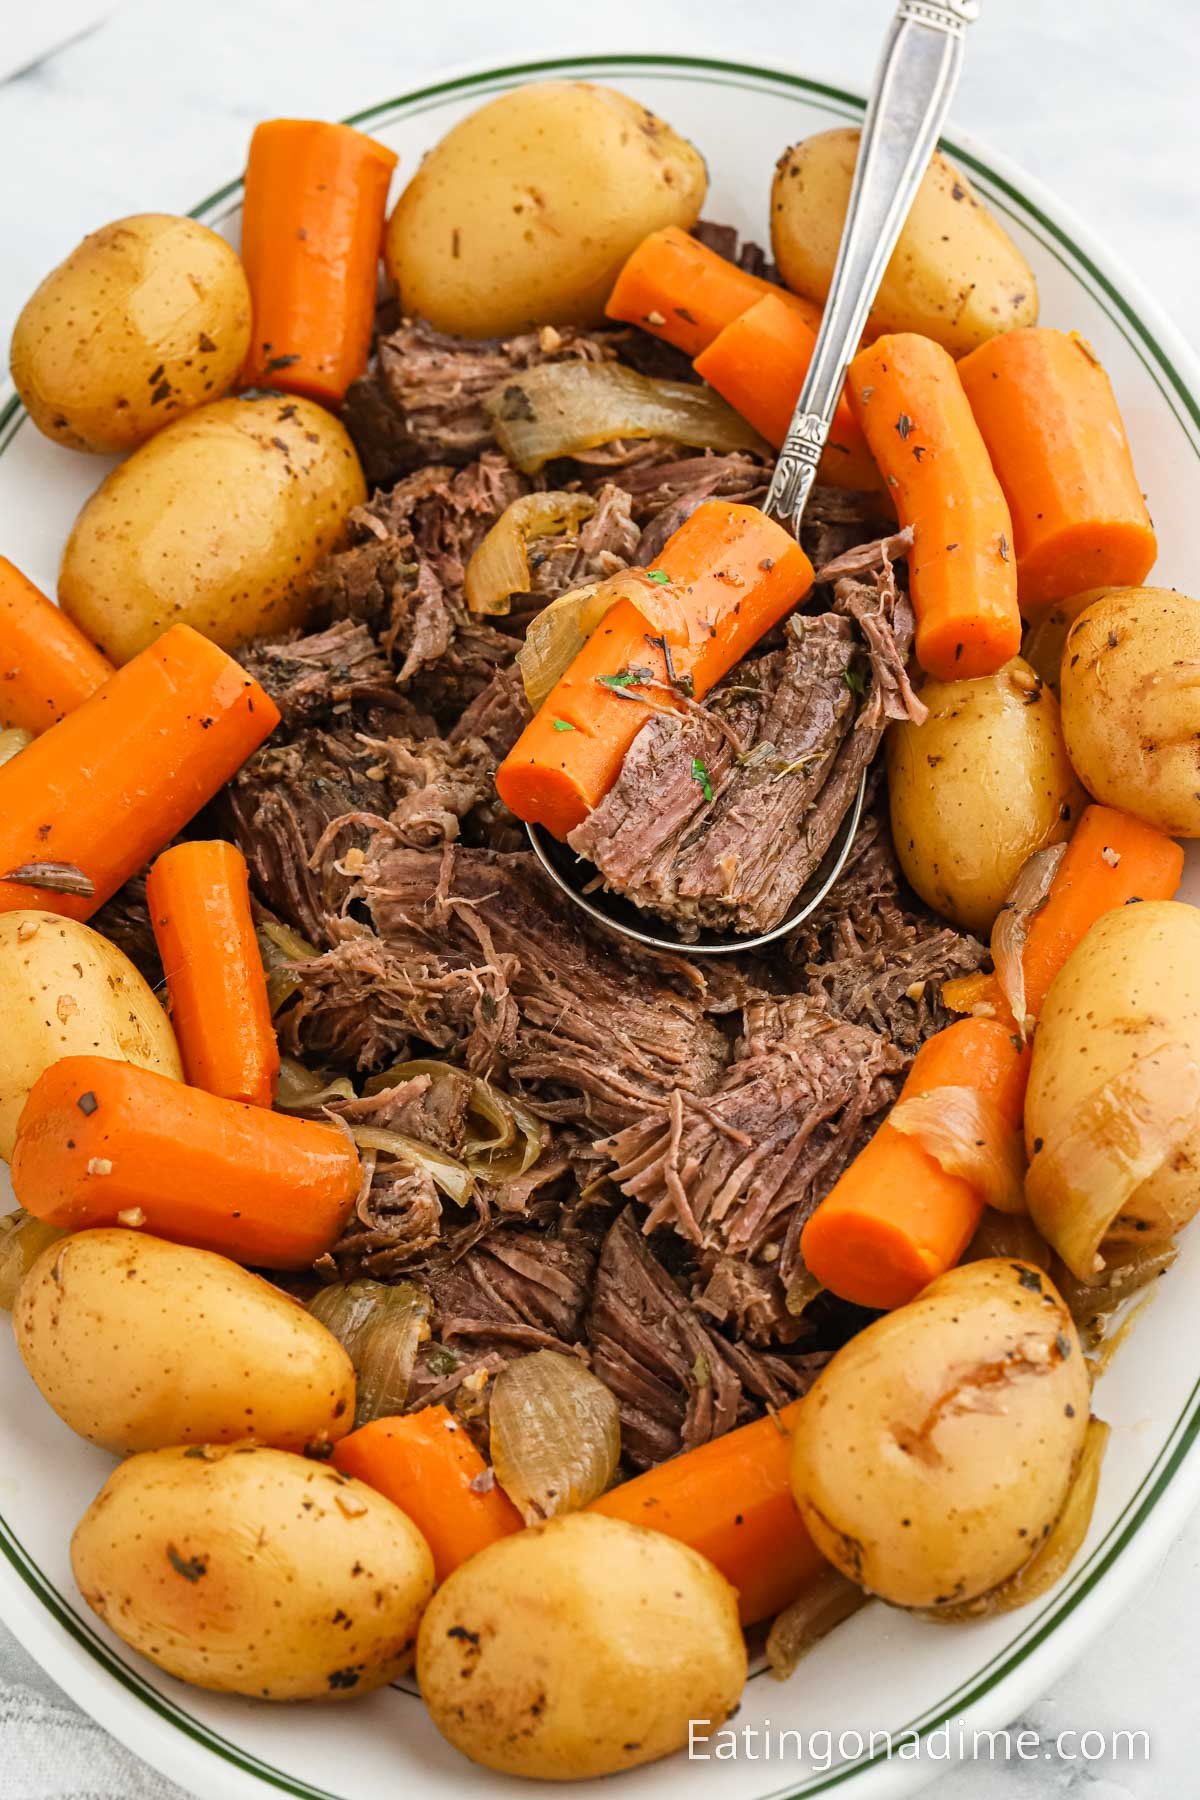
[
  {"x": 678, "y": 290},
  {"x": 47, "y": 666}
]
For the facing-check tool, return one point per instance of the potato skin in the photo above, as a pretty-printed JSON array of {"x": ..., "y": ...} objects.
[
  {"x": 1129, "y": 679},
  {"x": 147, "y": 318},
  {"x": 68, "y": 992},
  {"x": 955, "y": 275},
  {"x": 253, "y": 1571},
  {"x": 215, "y": 523},
  {"x": 977, "y": 788},
  {"x": 579, "y": 1647},
  {"x": 1131, "y": 987},
  {"x": 935, "y": 1450},
  {"x": 523, "y": 214},
  {"x": 138, "y": 1344}
]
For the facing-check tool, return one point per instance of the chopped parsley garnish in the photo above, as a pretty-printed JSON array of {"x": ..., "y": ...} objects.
[
  {"x": 563, "y": 725},
  {"x": 622, "y": 679},
  {"x": 700, "y": 774},
  {"x": 854, "y": 681},
  {"x": 659, "y": 575}
]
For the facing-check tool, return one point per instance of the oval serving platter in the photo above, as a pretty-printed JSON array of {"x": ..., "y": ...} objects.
[{"x": 882, "y": 1672}]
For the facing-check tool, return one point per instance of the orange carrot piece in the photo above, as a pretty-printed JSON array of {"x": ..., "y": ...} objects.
[
  {"x": 312, "y": 228},
  {"x": 47, "y": 666},
  {"x": 732, "y": 1500},
  {"x": 905, "y": 392},
  {"x": 895, "y": 1218},
  {"x": 1110, "y": 860},
  {"x": 758, "y": 363},
  {"x": 677, "y": 289},
  {"x": 426, "y": 1464},
  {"x": 735, "y": 573},
  {"x": 101, "y": 1142},
  {"x": 111, "y": 783},
  {"x": 198, "y": 896},
  {"x": 1050, "y": 421}
]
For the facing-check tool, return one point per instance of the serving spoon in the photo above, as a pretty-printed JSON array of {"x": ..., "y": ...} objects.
[{"x": 913, "y": 85}]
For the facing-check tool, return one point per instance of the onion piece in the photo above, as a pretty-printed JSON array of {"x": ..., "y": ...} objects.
[
  {"x": 278, "y": 946},
  {"x": 561, "y": 408},
  {"x": 1011, "y": 926},
  {"x": 802, "y": 1291},
  {"x": 22, "y": 1240},
  {"x": 556, "y": 636},
  {"x": 453, "y": 1178},
  {"x": 1055, "y": 1555},
  {"x": 12, "y": 742},
  {"x": 1115, "y": 1140},
  {"x": 965, "y": 1132},
  {"x": 1093, "y": 1303},
  {"x": 827, "y": 1602},
  {"x": 380, "y": 1327},
  {"x": 555, "y": 1434},
  {"x": 499, "y": 566},
  {"x": 507, "y": 1138},
  {"x": 302, "y": 1090}
]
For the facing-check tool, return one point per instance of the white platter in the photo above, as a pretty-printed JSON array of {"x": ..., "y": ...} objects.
[{"x": 882, "y": 1672}]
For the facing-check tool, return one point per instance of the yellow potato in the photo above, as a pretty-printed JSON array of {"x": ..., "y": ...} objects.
[
  {"x": 977, "y": 788},
  {"x": 1112, "y": 1113},
  {"x": 139, "y": 1344},
  {"x": 955, "y": 275},
  {"x": 255, "y": 1572},
  {"x": 66, "y": 991},
  {"x": 580, "y": 1647},
  {"x": 525, "y": 211},
  {"x": 146, "y": 319},
  {"x": 215, "y": 523},
  {"x": 1131, "y": 704},
  {"x": 934, "y": 1452},
  {"x": 1046, "y": 636}
]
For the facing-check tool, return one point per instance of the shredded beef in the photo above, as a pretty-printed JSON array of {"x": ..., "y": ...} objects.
[
  {"x": 309, "y": 678},
  {"x": 677, "y": 1382},
  {"x": 665, "y": 486},
  {"x": 497, "y": 715},
  {"x": 606, "y": 542},
  {"x": 836, "y": 521},
  {"x": 724, "y": 241},
  {"x": 741, "y": 1169},
  {"x": 125, "y": 921}
]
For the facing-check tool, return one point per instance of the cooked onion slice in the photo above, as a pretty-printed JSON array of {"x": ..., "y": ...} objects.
[
  {"x": 499, "y": 567},
  {"x": 1092, "y": 1303},
  {"x": 966, "y": 1133},
  {"x": 505, "y": 1140},
  {"x": 555, "y": 1434},
  {"x": 1056, "y": 1554},
  {"x": 302, "y": 1090},
  {"x": 1126, "y": 1129},
  {"x": 12, "y": 742},
  {"x": 22, "y": 1240},
  {"x": 826, "y": 1603},
  {"x": 559, "y": 632},
  {"x": 562, "y": 408},
  {"x": 280, "y": 946},
  {"x": 1012, "y": 1236},
  {"x": 1011, "y": 928},
  {"x": 453, "y": 1178},
  {"x": 381, "y": 1328}
]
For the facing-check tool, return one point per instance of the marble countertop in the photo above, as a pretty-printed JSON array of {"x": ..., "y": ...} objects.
[{"x": 150, "y": 107}]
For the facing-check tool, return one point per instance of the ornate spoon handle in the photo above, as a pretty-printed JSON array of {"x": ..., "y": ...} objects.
[{"x": 913, "y": 86}]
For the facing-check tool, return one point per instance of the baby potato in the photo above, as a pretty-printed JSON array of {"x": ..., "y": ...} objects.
[
  {"x": 1130, "y": 684},
  {"x": 955, "y": 274},
  {"x": 146, "y": 319},
  {"x": 580, "y": 1647},
  {"x": 1046, "y": 636},
  {"x": 977, "y": 788},
  {"x": 1112, "y": 1111},
  {"x": 254, "y": 1571},
  {"x": 66, "y": 991},
  {"x": 215, "y": 523},
  {"x": 138, "y": 1344},
  {"x": 934, "y": 1452},
  {"x": 523, "y": 214}
]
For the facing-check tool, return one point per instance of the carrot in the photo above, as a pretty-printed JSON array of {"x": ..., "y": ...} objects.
[
  {"x": 1050, "y": 421},
  {"x": 895, "y": 1218},
  {"x": 905, "y": 392},
  {"x": 101, "y": 1142},
  {"x": 731, "y": 1500},
  {"x": 198, "y": 895},
  {"x": 312, "y": 226},
  {"x": 758, "y": 363},
  {"x": 1110, "y": 860},
  {"x": 110, "y": 784},
  {"x": 735, "y": 573},
  {"x": 677, "y": 289},
  {"x": 47, "y": 666},
  {"x": 426, "y": 1464}
]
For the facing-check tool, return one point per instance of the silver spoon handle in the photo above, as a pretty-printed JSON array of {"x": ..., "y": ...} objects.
[{"x": 909, "y": 101}]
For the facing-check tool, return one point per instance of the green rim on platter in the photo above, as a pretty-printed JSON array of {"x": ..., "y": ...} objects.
[{"x": 1009, "y": 199}]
